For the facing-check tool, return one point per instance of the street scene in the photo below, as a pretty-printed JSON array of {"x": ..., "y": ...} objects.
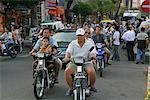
[{"x": 74, "y": 50}]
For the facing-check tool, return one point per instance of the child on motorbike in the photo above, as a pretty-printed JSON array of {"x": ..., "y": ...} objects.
[{"x": 45, "y": 48}]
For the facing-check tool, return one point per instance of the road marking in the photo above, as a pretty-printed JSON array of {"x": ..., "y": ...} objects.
[{"x": 148, "y": 85}]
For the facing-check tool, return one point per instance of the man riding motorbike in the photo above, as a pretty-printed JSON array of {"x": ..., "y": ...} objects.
[
  {"x": 99, "y": 37},
  {"x": 8, "y": 37},
  {"x": 57, "y": 62},
  {"x": 77, "y": 48}
]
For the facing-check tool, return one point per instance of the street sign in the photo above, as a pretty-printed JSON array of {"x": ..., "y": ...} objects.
[{"x": 146, "y": 6}]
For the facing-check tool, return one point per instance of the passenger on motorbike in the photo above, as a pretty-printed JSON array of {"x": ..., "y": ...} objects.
[
  {"x": 99, "y": 37},
  {"x": 77, "y": 48},
  {"x": 8, "y": 38},
  {"x": 17, "y": 38},
  {"x": 45, "y": 48},
  {"x": 57, "y": 61}
]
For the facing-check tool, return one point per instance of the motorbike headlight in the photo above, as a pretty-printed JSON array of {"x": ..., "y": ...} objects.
[
  {"x": 41, "y": 62},
  {"x": 79, "y": 68}
]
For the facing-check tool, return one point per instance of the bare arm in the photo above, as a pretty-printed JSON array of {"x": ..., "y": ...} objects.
[{"x": 67, "y": 57}]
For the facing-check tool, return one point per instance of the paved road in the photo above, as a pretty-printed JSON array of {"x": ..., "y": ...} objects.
[{"x": 122, "y": 80}]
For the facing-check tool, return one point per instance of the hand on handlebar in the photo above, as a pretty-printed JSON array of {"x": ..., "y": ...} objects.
[
  {"x": 33, "y": 53},
  {"x": 66, "y": 60}
]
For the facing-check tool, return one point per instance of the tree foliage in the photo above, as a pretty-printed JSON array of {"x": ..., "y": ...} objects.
[
  {"x": 82, "y": 8},
  {"x": 27, "y": 3},
  {"x": 110, "y": 8},
  {"x": 102, "y": 5}
]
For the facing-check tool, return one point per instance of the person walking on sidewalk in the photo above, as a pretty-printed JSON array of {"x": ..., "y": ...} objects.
[
  {"x": 116, "y": 43},
  {"x": 142, "y": 42},
  {"x": 129, "y": 37}
]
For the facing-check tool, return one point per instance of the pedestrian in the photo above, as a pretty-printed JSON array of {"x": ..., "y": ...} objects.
[
  {"x": 142, "y": 42},
  {"x": 116, "y": 43},
  {"x": 129, "y": 37}
]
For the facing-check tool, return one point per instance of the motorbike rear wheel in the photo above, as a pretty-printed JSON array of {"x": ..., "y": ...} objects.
[{"x": 38, "y": 89}]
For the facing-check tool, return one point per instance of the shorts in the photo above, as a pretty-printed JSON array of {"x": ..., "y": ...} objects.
[{"x": 86, "y": 64}]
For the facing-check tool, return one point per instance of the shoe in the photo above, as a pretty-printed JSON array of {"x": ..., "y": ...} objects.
[
  {"x": 118, "y": 60},
  {"x": 69, "y": 92},
  {"x": 93, "y": 89},
  {"x": 108, "y": 63},
  {"x": 137, "y": 62},
  {"x": 142, "y": 62},
  {"x": 56, "y": 81}
]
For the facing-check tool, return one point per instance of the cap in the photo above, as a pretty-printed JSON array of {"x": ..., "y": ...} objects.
[{"x": 80, "y": 31}]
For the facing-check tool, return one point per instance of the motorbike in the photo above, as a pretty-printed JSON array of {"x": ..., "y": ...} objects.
[
  {"x": 10, "y": 51},
  {"x": 101, "y": 58},
  {"x": 44, "y": 76},
  {"x": 80, "y": 80}
]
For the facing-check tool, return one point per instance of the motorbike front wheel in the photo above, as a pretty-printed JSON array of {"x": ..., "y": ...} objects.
[
  {"x": 100, "y": 68},
  {"x": 79, "y": 94},
  {"x": 38, "y": 87}
]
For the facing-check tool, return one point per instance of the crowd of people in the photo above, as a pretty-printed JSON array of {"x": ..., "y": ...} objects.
[
  {"x": 111, "y": 35},
  {"x": 11, "y": 35}
]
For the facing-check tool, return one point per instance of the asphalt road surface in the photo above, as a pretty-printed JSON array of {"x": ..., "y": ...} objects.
[{"x": 123, "y": 80}]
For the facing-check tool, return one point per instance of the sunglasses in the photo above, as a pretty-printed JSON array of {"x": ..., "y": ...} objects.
[
  {"x": 80, "y": 35},
  {"x": 87, "y": 32}
]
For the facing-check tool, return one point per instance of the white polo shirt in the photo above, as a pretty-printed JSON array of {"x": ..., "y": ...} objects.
[
  {"x": 129, "y": 36},
  {"x": 76, "y": 51}
]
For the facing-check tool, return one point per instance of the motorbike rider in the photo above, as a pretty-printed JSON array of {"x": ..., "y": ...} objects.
[
  {"x": 99, "y": 37},
  {"x": 57, "y": 61},
  {"x": 17, "y": 37},
  {"x": 80, "y": 47},
  {"x": 45, "y": 48},
  {"x": 8, "y": 37}
]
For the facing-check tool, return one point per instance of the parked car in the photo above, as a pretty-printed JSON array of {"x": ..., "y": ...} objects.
[
  {"x": 56, "y": 25},
  {"x": 63, "y": 38}
]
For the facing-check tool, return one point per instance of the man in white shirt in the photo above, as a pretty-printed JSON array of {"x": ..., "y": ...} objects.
[
  {"x": 129, "y": 37},
  {"x": 80, "y": 48},
  {"x": 8, "y": 37},
  {"x": 116, "y": 43}
]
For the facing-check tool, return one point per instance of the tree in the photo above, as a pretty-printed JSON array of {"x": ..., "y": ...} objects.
[
  {"x": 102, "y": 7},
  {"x": 82, "y": 8}
]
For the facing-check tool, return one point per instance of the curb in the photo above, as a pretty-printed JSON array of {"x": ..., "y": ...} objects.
[{"x": 148, "y": 85}]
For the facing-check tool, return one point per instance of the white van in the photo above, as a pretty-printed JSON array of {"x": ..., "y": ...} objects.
[{"x": 57, "y": 25}]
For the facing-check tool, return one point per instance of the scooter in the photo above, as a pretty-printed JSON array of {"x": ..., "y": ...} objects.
[
  {"x": 100, "y": 61},
  {"x": 10, "y": 51},
  {"x": 80, "y": 79}
]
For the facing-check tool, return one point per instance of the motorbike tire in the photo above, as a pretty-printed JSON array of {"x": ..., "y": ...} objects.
[
  {"x": 17, "y": 48},
  {"x": 101, "y": 69},
  {"x": 13, "y": 54},
  {"x": 76, "y": 94},
  {"x": 38, "y": 93}
]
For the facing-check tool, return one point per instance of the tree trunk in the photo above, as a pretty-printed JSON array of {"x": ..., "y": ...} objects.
[
  {"x": 67, "y": 10},
  {"x": 118, "y": 8}
]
